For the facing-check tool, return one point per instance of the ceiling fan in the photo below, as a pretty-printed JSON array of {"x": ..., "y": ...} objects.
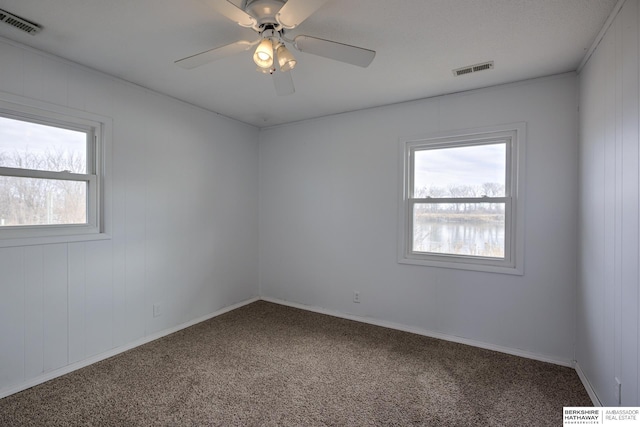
[{"x": 271, "y": 19}]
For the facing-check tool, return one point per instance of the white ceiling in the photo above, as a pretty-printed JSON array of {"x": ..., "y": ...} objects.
[{"x": 418, "y": 43}]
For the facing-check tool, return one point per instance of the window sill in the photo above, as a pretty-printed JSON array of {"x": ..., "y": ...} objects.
[
  {"x": 461, "y": 265},
  {"x": 48, "y": 240}
]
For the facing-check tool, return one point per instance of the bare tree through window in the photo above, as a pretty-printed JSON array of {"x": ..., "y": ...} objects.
[{"x": 34, "y": 200}]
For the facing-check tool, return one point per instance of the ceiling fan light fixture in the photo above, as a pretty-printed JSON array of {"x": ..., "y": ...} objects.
[
  {"x": 271, "y": 19},
  {"x": 285, "y": 59},
  {"x": 263, "y": 56}
]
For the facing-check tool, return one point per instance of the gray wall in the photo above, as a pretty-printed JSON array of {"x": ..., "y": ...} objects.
[
  {"x": 328, "y": 220},
  {"x": 183, "y": 211},
  {"x": 608, "y": 297}
]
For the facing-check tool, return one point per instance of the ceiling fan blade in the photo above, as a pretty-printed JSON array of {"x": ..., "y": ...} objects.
[
  {"x": 283, "y": 83},
  {"x": 295, "y": 11},
  {"x": 334, "y": 50},
  {"x": 233, "y": 12},
  {"x": 202, "y": 58}
]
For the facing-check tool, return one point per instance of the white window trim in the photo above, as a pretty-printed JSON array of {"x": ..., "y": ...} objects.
[
  {"x": 515, "y": 134},
  {"x": 99, "y": 183}
]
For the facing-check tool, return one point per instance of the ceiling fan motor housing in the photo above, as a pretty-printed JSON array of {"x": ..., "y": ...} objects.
[{"x": 264, "y": 11}]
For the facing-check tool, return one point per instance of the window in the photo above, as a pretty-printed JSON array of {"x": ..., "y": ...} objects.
[
  {"x": 51, "y": 173},
  {"x": 460, "y": 204}
]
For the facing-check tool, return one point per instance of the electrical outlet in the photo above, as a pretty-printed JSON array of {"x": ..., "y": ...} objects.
[
  {"x": 157, "y": 310},
  {"x": 618, "y": 392},
  {"x": 356, "y": 296}
]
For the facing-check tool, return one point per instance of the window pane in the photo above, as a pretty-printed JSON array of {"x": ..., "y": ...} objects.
[
  {"x": 475, "y": 229},
  {"x": 469, "y": 171},
  {"x": 35, "y": 146},
  {"x": 33, "y": 201}
]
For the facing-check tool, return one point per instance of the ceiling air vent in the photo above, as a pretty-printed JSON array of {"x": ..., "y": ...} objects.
[
  {"x": 473, "y": 68},
  {"x": 19, "y": 23}
]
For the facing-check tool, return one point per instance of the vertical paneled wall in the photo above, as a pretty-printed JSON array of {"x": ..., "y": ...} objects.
[
  {"x": 608, "y": 298},
  {"x": 328, "y": 220},
  {"x": 183, "y": 213}
]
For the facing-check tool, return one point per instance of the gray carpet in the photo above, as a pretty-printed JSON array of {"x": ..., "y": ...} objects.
[{"x": 265, "y": 365}]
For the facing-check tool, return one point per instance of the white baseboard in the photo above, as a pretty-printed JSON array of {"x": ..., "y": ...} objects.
[
  {"x": 426, "y": 333},
  {"x": 97, "y": 358},
  {"x": 587, "y": 385}
]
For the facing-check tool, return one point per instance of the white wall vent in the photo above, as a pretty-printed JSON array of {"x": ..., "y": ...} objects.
[
  {"x": 19, "y": 23},
  {"x": 473, "y": 68}
]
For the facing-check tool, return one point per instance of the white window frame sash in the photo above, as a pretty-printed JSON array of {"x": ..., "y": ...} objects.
[
  {"x": 473, "y": 259},
  {"x": 98, "y": 142},
  {"x": 513, "y": 135},
  {"x": 89, "y": 179}
]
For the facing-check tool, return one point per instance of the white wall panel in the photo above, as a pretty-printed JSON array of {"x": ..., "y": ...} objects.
[
  {"x": 11, "y": 68},
  {"x": 33, "y": 311},
  {"x": 608, "y": 294},
  {"x": 55, "y": 80},
  {"x": 616, "y": 188},
  {"x": 119, "y": 243},
  {"x": 160, "y": 219},
  {"x": 12, "y": 327},
  {"x": 76, "y": 91},
  {"x": 98, "y": 94},
  {"x": 31, "y": 74},
  {"x": 132, "y": 155},
  {"x": 328, "y": 219},
  {"x": 98, "y": 297},
  {"x": 76, "y": 304},
  {"x": 630, "y": 196},
  {"x": 172, "y": 166},
  {"x": 55, "y": 306},
  {"x": 604, "y": 127},
  {"x": 590, "y": 293}
]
